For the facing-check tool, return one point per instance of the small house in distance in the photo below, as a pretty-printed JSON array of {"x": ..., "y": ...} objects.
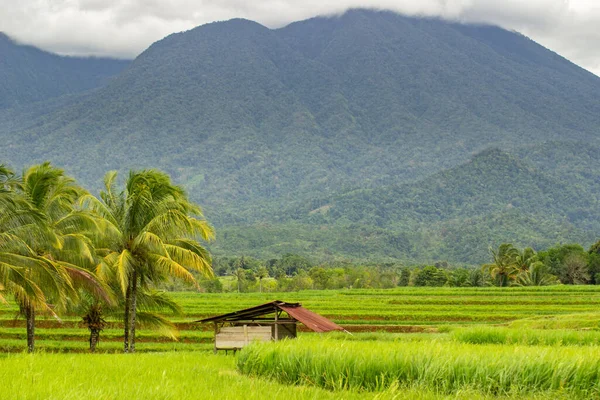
[{"x": 271, "y": 321}]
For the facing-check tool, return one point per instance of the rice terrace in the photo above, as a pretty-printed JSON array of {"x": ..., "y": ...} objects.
[{"x": 404, "y": 343}]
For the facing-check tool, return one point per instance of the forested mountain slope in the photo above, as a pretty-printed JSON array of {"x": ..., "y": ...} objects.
[
  {"x": 335, "y": 125},
  {"x": 241, "y": 113},
  {"x": 492, "y": 181},
  {"x": 453, "y": 215},
  {"x": 28, "y": 74}
]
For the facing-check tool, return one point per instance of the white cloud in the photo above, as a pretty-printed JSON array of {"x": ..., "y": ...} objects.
[{"x": 124, "y": 28}]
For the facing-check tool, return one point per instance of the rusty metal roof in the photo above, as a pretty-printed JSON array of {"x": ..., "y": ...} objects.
[{"x": 310, "y": 319}]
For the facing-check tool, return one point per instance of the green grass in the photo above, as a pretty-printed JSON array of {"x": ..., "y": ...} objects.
[
  {"x": 546, "y": 349},
  {"x": 70, "y": 346},
  {"x": 442, "y": 367},
  {"x": 176, "y": 376},
  {"x": 142, "y": 376},
  {"x": 590, "y": 320},
  {"x": 530, "y": 337}
]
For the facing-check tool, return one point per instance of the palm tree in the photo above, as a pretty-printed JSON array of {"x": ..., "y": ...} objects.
[
  {"x": 94, "y": 319},
  {"x": 261, "y": 274},
  {"x": 239, "y": 275},
  {"x": 525, "y": 259},
  {"x": 152, "y": 232},
  {"x": 42, "y": 242},
  {"x": 503, "y": 268},
  {"x": 536, "y": 275}
]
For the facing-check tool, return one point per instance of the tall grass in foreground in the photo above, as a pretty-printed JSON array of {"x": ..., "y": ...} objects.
[
  {"x": 499, "y": 335},
  {"x": 443, "y": 367},
  {"x": 164, "y": 376}
]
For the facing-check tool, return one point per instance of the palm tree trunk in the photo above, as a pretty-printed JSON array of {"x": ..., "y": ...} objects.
[
  {"x": 94, "y": 339},
  {"x": 126, "y": 319},
  {"x": 95, "y": 323},
  {"x": 30, "y": 317},
  {"x": 132, "y": 312}
]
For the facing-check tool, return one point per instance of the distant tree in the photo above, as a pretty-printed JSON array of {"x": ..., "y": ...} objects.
[
  {"x": 536, "y": 275},
  {"x": 211, "y": 285},
  {"x": 292, "y": 263},
  {"x": 320, "y": 277},
  {"x": 576, "y": 266},
  {"x": 564, "y": 261},
  {"x": 388, "y": 278},
  {"x": 503, "y": 268},
  {"x": 459, "y": 277},
  {"x": 301, "y": 281},
  {"x": 261, "y": 274},
  {"x": 478, "y": 278},
  {"x": 595, "y": 248},
  {"x": 525, "y": 259},
  {"x": 240, "y": 276},
  {"x": 431, "y": 276},
  {"x": 404, "y": 279},
  {"x": 594, "y": 263}
]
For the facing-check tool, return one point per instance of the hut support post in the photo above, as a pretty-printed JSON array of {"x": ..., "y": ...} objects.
[
  {"x": 216, "y": 331},
  {"x": 276, "y": 325}
]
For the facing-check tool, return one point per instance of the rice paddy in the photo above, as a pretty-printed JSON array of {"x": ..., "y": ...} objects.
[
  {"x": 444, "y": 367},
  {"x": 406, "y": 343}
]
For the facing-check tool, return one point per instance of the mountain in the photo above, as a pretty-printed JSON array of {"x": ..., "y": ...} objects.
[
  {"x": 28, "y": 74},
  {"x": 366, "y": 110},
  {"x": 491, "y": 182},
  {"x": 454, "y": 215},
  {"x": 571, "y": 162}
]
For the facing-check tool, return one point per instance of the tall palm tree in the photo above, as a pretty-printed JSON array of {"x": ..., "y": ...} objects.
[
  {"x": 42, "y": 242},
  {"x": 153, "y": 232},
  {"x": 503, "y": 268},
  {"x": 240, "y": 275}
]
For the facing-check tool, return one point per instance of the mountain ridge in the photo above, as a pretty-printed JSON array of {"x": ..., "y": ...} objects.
[
  {"x": 29, "y": 74},
  {"x": 258, "y": 124}
]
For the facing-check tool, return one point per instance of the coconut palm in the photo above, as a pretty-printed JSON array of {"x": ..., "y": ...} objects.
[
  {"x": 536, "y": 275},
  {"x": 153, "y": 232},
  {"x": 43, "y": 242},
  {"x": 240, "y": 275},
  {"x": 503, "y": 268},
  {"x": 525, "y": 259}
]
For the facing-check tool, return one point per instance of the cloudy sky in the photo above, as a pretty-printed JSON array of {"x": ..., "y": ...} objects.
[{"x": 124, "y": 28}]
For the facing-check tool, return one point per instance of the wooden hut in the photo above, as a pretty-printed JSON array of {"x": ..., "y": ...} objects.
[{"x": 270, "y": 321}]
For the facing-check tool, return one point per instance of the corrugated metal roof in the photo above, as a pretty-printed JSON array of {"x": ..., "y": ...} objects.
[
  {"x": 246, "y": 313},
  {"x": 312, "y": 320}
]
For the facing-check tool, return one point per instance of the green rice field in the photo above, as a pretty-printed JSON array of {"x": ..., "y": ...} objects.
[{"x": 422, "y": 343}]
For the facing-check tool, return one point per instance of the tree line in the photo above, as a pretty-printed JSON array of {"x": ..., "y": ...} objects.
[
  {"x": 509, "y": 266},
  {"x": 63, "y": 250}
]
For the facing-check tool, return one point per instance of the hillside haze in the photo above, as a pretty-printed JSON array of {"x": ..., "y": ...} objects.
[
  {"x": 266, "y": 126},
  {"x": 28, "y": 74}
]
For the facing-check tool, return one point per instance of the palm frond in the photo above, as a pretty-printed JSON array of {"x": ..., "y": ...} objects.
[
  {"x": 150, "y": 243},
  {"x": 192, "y": 256},
  {"x": 171, "y": 267},
  {"x": 149, "y": 320},
  {"x": 158, "y": 301},
  {"x": 124, "y": 265}
]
